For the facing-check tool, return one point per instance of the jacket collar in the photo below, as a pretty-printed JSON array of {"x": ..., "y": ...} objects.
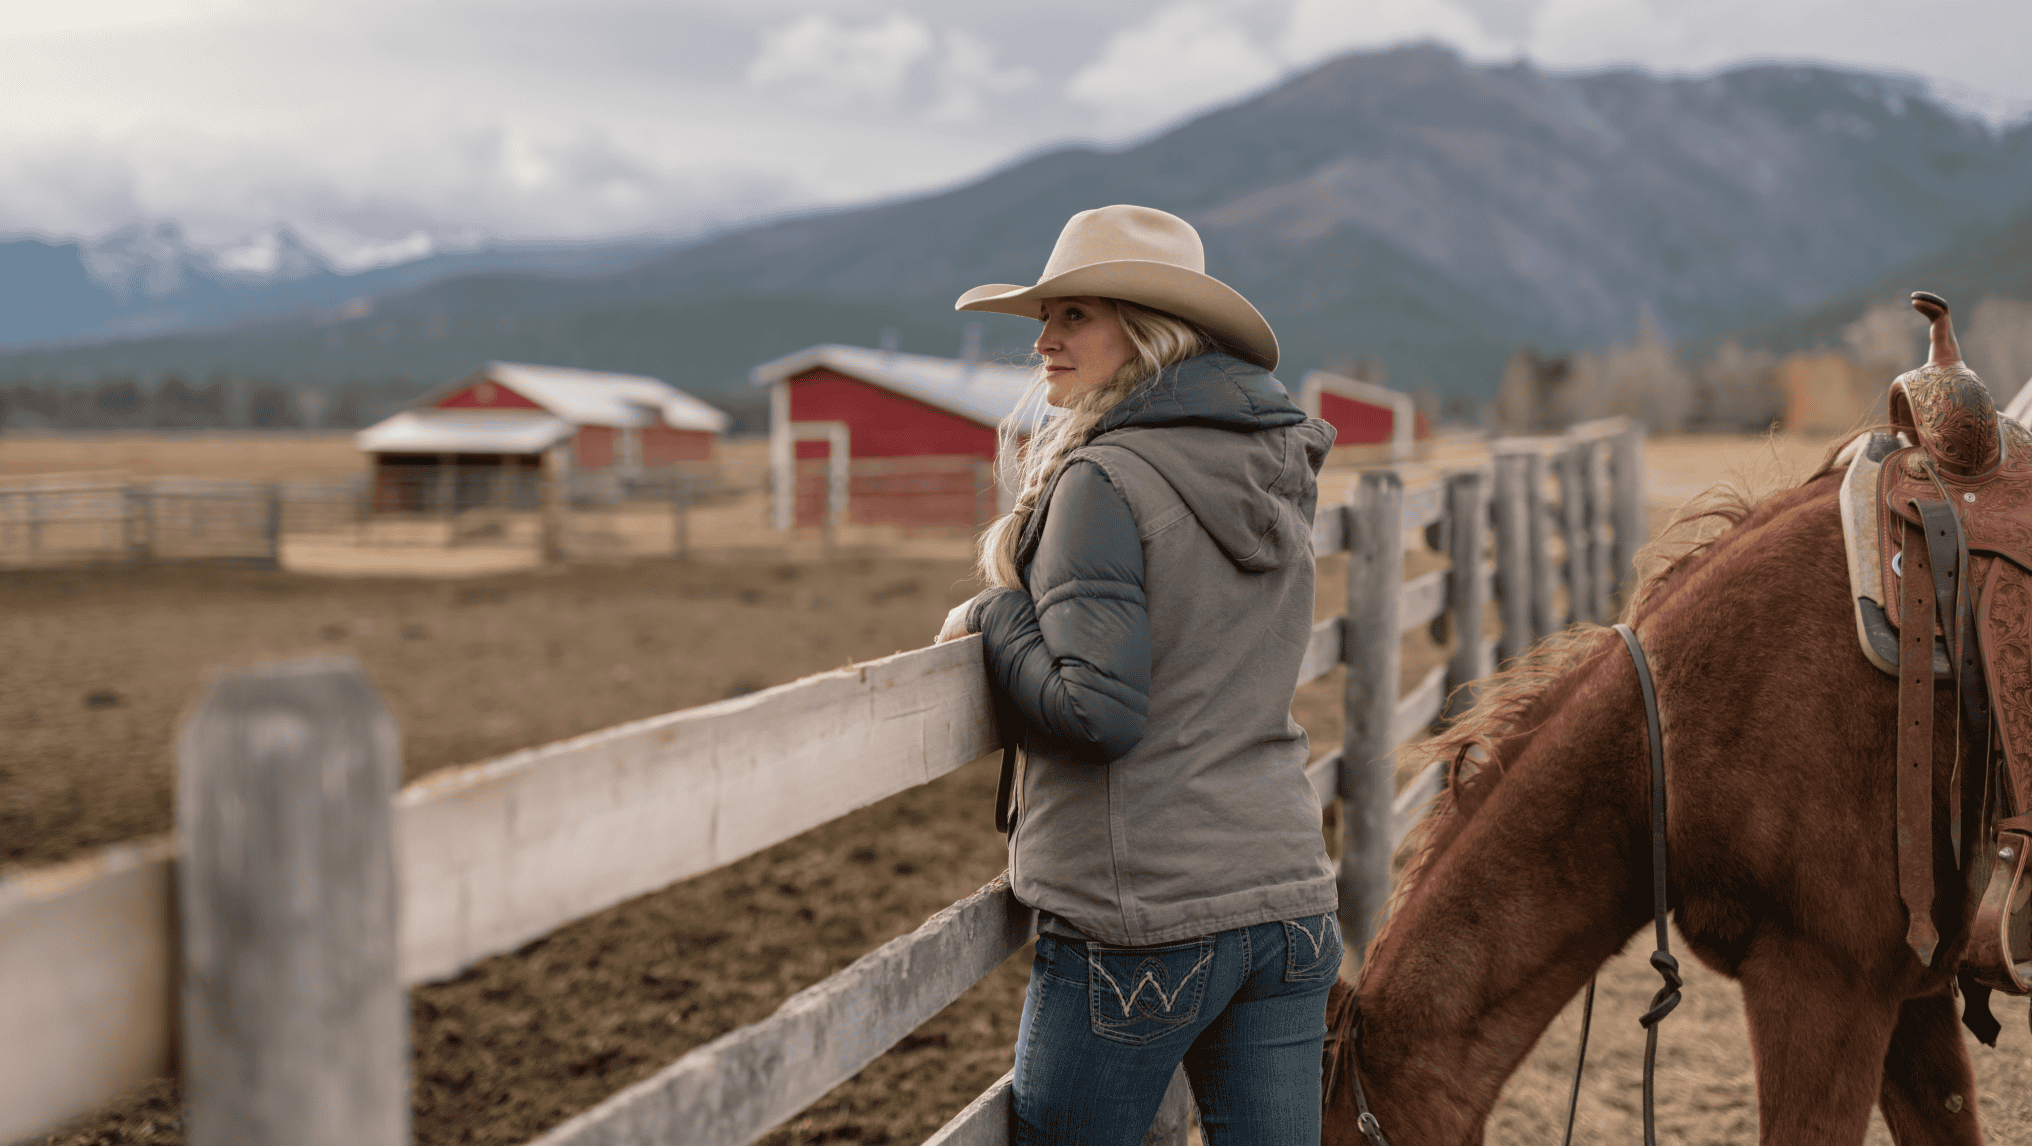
[{"x": 1208, "y": 389}]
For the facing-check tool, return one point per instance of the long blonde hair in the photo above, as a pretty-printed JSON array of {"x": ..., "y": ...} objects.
[{"x": 1159, "y": 340}]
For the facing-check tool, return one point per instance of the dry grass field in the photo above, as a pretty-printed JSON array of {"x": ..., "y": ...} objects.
[{"x": 474, "y": 666}]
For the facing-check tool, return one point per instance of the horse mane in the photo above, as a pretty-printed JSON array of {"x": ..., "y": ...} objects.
[{"x": 1513, "y": 703}]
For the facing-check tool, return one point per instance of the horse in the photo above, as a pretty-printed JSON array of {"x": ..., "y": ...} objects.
[{"x": 1535, "y": 865}]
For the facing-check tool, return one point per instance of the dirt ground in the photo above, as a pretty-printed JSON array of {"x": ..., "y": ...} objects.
[{"x": 104, "y": 661}]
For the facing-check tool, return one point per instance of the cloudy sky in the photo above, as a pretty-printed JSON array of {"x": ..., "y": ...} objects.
[{"x": 382, "y": 128}]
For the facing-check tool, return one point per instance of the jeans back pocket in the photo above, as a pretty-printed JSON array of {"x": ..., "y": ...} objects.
[
  {"x": 1137, "y": 995},
  {"x": 1312, "y": 948}
]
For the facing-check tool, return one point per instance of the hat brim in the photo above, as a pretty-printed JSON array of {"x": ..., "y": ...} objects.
[{"x": 1195, "y": 297}]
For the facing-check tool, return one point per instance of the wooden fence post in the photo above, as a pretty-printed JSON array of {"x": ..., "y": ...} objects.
[
  {"x": 1513, "y": 554},
  {"x": 271, "y": 523},
  {"x": 1544, "y": 578},
  {"x": 1174, "y": 1114},
  {"x": 1631, "y": 513},
  {"x": 137, "y": 522},
  {"x": 294, "y": 1027},
  {"x": 1467, "y": 591},
  {"x": 1600, "y": 527},
  {"x": 1573, "y": 529},
  {"x": 1367, "y": 778},
  {"x": 681, "y": 509},
  {"x": 554, "y": 475}
]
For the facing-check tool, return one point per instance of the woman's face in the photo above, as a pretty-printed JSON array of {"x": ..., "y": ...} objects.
[{"x": 1083, "y": 345}]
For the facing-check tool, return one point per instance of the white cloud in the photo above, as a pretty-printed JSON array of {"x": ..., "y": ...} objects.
[
  {"x": 1186, "y": 55},
  {"x": 366, "y": 123},
  {"x": 967, "y": 69},
  {"x": 836, "y": 60}
]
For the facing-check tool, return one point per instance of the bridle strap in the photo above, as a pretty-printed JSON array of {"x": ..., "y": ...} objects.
[
  {"x": 1365, "y": 1119},
  {"x": 1347, "y": 1047},
  {"x": 1661, "y": 958}
]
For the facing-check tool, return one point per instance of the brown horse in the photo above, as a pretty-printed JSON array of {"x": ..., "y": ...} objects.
[{"x": 1536, "y": 866}]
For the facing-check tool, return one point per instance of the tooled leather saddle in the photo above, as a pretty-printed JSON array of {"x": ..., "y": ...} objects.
[{"x": 1938, "y": 521}]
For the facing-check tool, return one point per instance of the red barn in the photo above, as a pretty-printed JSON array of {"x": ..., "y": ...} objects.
[
  {"x": 918, "y": 434},
  {"x": 1363, "y": 413},
  {"x": 482, "y": 440}
]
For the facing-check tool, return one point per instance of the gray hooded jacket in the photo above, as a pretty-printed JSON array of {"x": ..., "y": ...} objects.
[{"x": 1153, "y": 660}]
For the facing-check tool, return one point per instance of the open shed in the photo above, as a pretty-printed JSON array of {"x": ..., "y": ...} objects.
[
  {"x": 1364, "y": 414},
  {"x": 485, "y": 439},
  {"x": 906, "y": 439}
]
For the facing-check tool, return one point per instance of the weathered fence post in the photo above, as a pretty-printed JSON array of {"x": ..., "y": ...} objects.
[
  {"x": 1512, "y": 505},
  {"x": 1174, "y": 1115},
  {"x": 1544, "y": 577},
  {"x": 552, "y": 516},
  {"x": 1600, "y": 531},
  {"x": 447, "y": 499},
  {"x": 1573, "y": 529},
  {"x": 1633, "y": 527},
  {"x": 294, "y": 1025},
  {"x": 681, "y": 510},
  {"x": 1467, "y": 590},
  {"x": 135, "y": 498},
  {"x": 271, "y": 523},
  {"x": 1371, "y": 650}
]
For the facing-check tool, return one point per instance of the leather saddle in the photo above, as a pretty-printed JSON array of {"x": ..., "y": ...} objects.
[{"x": 1937, "y": 516}]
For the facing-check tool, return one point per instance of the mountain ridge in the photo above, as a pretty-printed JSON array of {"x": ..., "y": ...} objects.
[{"x": 1403, "y": 206}]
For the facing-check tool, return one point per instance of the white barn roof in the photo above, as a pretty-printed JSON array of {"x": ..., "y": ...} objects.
[
  {"x": 984, "y": 392},
  {"x": 568, "y": 399},
  {"x": 601, "y": 398},
  {"x": 464, "y": 432}
]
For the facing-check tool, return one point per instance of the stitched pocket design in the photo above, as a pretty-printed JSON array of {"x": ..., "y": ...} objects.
[
  {"x": 1137, "y": 995},
  {"x": 1312, "y": 948}
]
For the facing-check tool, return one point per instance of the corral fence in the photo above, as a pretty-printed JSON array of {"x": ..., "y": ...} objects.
[
  {"x": 66, "y": 521},
  {"x": 273, "y": 937},
  {"x": 104, "y": 521}
]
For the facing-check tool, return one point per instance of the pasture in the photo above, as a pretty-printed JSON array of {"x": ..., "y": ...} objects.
[{"x": 476, "y": 667}]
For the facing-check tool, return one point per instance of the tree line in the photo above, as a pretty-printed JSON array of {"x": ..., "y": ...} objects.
[{"x": 220, "y": 402}]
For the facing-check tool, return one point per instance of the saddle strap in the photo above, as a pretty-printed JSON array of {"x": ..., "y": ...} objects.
[{"x": 1929, "y": 588}]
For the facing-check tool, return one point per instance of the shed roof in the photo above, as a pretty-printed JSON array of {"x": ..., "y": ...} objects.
[
  {"x": 463, "y": 432},
  {"x": 983, "y": 392},
  {"x": 598, "y": 397}
]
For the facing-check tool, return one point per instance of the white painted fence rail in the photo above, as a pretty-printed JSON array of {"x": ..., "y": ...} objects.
[{"x": 495, "y": 854}]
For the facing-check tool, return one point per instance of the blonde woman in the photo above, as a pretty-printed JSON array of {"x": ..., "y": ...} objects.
[{"x": 1151, "y": 600}]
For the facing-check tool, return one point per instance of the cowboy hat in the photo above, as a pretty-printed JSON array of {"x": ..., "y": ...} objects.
[{"x": 1141, "y": 255}]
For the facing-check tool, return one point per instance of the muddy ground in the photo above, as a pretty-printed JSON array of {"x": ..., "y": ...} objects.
[{"x": 101, "y": 662}]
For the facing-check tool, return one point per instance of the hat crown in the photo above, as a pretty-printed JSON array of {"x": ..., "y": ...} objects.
[{"x": 1125, "y": 233}]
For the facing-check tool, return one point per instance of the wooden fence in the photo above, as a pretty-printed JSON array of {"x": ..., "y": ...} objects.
[
  {"x": 303, "y": 890},
  {"x": 107, "y": 521}
]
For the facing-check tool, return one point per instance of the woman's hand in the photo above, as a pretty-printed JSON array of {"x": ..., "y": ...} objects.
[{"x": 956, "y": 625}]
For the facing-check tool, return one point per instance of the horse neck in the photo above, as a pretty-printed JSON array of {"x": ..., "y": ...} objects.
[{"x": 1542, "y": 883}]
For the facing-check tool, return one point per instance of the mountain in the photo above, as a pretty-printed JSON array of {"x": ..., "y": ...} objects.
[
  {"x": 1402, "y": 206},
  {"x": 148, "y": 279}
]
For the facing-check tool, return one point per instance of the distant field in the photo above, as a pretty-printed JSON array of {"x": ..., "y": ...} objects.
[{"x": 250, "y": 456}]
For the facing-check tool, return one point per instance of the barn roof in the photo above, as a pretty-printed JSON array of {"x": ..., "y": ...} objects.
[
  {"x": 983, "y": 392},
  {"x": 568, "y": 398},
  {"x": 595, "y": 397},
  {"x": 463, "y": 432}
]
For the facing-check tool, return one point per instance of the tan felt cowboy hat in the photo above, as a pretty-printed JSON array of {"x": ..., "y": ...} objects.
[{"x": 1145, "y": 256}]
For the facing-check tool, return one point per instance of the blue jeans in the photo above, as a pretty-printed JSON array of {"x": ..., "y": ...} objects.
[{"x": 1245, "y": 1011}]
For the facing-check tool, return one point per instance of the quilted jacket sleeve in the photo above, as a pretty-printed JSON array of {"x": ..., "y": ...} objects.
[{"x": 1073, "y": 653}]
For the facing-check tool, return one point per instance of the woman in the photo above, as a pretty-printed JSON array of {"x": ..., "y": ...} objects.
[{"x": 1152, "y": 597}]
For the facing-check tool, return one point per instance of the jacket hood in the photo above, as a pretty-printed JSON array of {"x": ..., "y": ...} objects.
[{"x": 1242, "y": 457}]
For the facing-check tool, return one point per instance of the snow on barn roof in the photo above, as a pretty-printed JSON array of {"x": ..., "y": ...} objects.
[
  {"x": 984, "y": 392},
  {"x": 568, "y": 399}
]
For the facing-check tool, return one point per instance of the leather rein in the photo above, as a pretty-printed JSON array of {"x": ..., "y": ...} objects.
[{"x": 1345, "y": 1043}]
